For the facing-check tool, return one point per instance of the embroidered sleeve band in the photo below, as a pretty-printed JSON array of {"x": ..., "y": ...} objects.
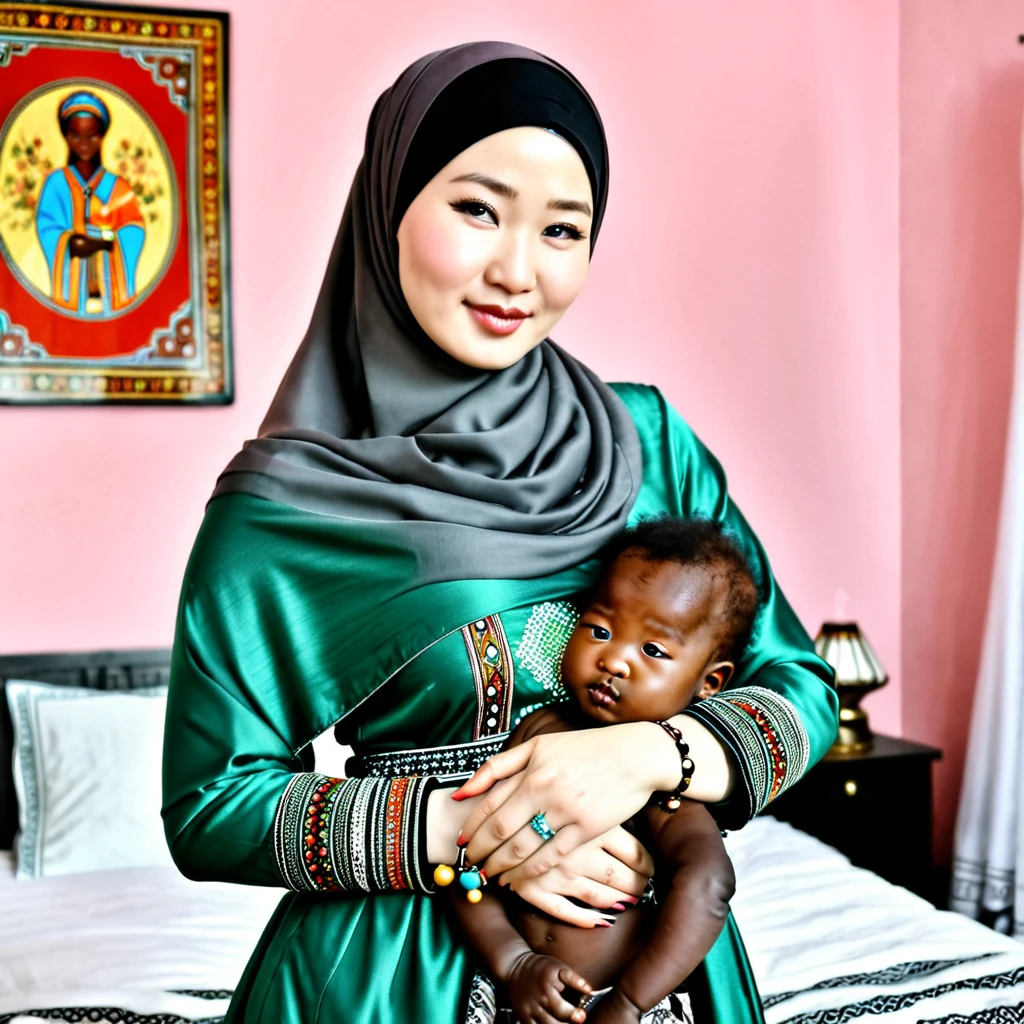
[
  {"x": 353, "y": 835},
  {"x": 764, "y": 733}
]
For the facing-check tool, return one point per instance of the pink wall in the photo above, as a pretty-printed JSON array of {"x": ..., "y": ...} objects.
[
  {"x": 749, "y": 263},
  {"x": 961, "y": 98}
]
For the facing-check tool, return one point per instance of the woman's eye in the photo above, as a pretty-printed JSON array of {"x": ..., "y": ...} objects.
[
  {"x": 476, "y": 210},
  {"x": 562, "y": 231},
  {"x": 654, "y": 651}
]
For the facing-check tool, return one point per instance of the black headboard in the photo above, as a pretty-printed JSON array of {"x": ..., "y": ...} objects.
[{"x": 101, "y": 670}]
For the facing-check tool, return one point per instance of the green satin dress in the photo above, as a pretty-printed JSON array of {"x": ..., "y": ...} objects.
[{"x": 291, "y": 622}]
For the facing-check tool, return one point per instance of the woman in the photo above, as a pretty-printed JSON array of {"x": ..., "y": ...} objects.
[
  {"x": 396, "y": 553},
  {"x": 88, "y": 221}
]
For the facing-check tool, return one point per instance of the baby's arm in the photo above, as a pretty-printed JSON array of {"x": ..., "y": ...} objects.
[
  {"x": 690, "y": 917},
  {"x": 535, "y": 983}
]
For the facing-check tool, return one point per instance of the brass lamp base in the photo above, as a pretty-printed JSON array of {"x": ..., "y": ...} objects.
[{"x": 855, "y": 736}]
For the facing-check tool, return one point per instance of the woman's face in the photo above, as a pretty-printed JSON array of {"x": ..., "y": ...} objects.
[
  {"x": 496, "y": 247},
  {"x": 84, "y": 136}
]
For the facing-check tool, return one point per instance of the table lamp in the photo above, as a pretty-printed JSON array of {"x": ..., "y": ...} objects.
[{"x": 858, "y": 673}]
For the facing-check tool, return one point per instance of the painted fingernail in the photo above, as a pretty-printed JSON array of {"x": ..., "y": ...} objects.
[
  {"x": 618, "y": 906},
  {"x": 604, "y": 924},
  {"x": 483, "y": 876},
  {"x": 632, "y": 900},
  {"x": 461, "y": 841}
]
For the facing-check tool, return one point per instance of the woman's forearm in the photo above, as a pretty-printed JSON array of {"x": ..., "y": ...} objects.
[
  {"x": 713, "y": 775},
  {"x": 712, "y": 778},
  {"x": 444, "y": 820}
]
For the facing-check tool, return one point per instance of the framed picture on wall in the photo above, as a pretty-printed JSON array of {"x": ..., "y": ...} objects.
[{"x": 114, "y": 249}]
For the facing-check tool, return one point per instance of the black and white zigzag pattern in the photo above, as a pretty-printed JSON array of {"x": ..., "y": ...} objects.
[
  {"x": 892, "y": 1003},
  {"x": 203, "y": 993},
  {"x": 889, "y": 976},
  {"x": 111, "y": 1014},
  {"x": 993, "y": 1015}
]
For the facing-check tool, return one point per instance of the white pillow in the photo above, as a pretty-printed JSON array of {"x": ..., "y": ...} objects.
[{"x": 87, "y": 776}]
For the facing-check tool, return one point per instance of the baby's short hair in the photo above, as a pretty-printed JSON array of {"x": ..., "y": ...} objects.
[{"x": 702, "y": 543}]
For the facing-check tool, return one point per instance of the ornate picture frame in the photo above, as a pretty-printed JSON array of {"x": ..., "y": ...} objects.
[{"x": 114, "y": 230}]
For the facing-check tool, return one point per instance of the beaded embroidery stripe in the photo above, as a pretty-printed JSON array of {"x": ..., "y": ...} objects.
[
  {"x": 543, "y": 643},
  {"x": 364, "y": 834},
  {"x": 768, "y": 736},
  {"x": 285, "y": 820},
  {"x": 444, "y": 763},
  {"x": 341, "y": 826},
  {"x": 318, "y": 866},
  {"x": 395, "y": 808},
  {"x": 493, "y": 673},
  {"x": 414, "y": 848}
]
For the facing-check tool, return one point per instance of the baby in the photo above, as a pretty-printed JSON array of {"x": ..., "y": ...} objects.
[{"x": 665, "y": 626}]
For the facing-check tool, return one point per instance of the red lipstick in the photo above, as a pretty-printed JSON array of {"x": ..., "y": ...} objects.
[{"x": 497, "y": 319}]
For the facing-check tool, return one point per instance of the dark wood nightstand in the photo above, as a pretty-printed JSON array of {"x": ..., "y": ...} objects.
[{"x": 876, "y": 808}]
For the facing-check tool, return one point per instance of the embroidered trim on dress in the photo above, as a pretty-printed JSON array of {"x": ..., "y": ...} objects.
[
  {"x": 352, "y": 835},
  {"x": 493, "y": 673},
  {"x": 543, "y": 643},
  {"x": 767, "y": 736},
  {"x": 446, "y": 764}
]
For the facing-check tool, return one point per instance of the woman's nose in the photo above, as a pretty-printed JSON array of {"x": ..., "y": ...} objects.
[{"x": 513, "y": 266}]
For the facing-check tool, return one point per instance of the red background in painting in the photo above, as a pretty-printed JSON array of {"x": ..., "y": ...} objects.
[{"x": 63, "y": 335}]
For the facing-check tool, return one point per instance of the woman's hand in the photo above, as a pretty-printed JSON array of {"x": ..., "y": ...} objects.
[
  {"x": 612, "y": 869},
  {"x": 584, "y": 782},
  {"x": 83, "y": 246}
]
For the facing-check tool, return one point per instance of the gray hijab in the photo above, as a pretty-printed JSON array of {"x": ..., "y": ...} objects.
[{"x": 479, "y": 474}]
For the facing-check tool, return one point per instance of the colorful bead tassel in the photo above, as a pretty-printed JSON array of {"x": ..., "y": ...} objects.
[{"x": 471, "y": 879}]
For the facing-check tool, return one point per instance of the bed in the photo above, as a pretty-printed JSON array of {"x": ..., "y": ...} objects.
[{"x": 829, "y": 943}]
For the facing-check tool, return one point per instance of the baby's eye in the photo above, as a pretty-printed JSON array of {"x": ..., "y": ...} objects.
[
  {"x": 598, "y": 632},
  {"x": 654, "y": 651}
]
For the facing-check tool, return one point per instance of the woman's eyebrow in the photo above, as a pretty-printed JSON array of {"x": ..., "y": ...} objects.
[
  {"x": 571, "y": 205},
  {"x": 508, "y": 192},
  {"x": 498, "y": 187}
]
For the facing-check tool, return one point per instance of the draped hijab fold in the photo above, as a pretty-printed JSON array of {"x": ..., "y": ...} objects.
[{"x": 479, "y": 474}]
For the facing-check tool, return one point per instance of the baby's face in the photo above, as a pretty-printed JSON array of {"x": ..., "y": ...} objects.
[{"x": 645, "y": 647}]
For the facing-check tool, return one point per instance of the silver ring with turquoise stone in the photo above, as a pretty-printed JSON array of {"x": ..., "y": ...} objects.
[{"x": 540, "y": 825}]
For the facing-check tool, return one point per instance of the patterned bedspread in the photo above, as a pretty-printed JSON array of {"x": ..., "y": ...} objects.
[{"x": 829, "y": 944}]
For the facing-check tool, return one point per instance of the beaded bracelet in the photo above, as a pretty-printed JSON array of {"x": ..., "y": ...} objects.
[{"x": 671, "y": 802}]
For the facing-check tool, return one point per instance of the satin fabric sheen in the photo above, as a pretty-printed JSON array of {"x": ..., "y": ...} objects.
[{"x": 288, "y": 622}]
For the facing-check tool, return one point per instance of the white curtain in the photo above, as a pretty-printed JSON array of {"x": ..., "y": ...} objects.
[{"x": 988, "y": 864}]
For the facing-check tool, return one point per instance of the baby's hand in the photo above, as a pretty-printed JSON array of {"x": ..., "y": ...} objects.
[
  {"x": 615, "y": 1008},
  {"x": 535, "y": 985}
]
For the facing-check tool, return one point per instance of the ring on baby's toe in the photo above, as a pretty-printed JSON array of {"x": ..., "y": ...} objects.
[{"x": 540, "y": 825}]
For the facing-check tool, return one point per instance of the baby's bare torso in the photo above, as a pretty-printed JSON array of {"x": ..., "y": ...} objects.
[{"x": 598, "y": 954}]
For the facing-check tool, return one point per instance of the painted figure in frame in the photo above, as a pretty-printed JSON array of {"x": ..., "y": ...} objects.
[{"x": 88, "y": 221}]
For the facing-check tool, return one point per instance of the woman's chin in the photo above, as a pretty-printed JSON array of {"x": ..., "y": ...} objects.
[{"x": 484, "y": 351}]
